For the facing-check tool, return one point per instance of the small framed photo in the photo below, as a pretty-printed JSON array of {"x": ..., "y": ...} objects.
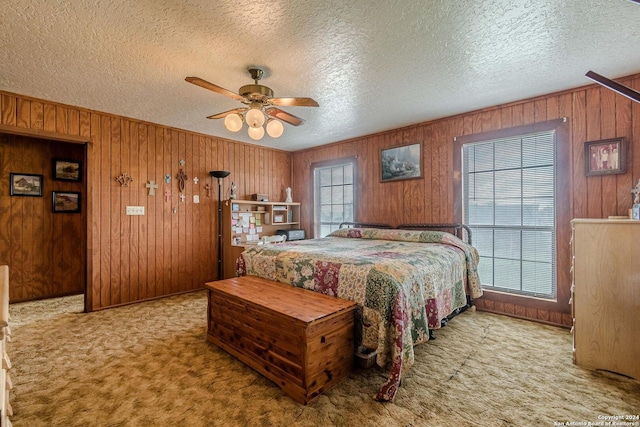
[
  {"x": 66, "y": 202},
  {"x": 67, "y": 170},
  {"x": 278, "y": 218},
  {"x": 24, "y": 184},
  {"x": 605, "y": 157},
  {"x": 398, "y": 163}
]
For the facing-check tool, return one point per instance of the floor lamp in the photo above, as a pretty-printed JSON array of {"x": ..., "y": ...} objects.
[{"x": 220, "y": 175}]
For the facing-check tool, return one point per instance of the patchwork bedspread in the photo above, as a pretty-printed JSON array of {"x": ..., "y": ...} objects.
[{"x": 405, "y": 282}]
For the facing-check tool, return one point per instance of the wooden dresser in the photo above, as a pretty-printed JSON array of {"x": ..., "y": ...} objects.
[{"x": 606, "y": 295}]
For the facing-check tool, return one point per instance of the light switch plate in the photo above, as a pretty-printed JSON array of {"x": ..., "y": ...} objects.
[{"x": 135, "y": 210}]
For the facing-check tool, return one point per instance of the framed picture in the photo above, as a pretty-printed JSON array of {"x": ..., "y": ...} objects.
[
  {"x": 67, "y": 170},
  {"x": 24, "y": 184},
  {"x": 605, "y": 157},
  {"x": 66, "y": 202},
  {"x": 404, "y": 162}
]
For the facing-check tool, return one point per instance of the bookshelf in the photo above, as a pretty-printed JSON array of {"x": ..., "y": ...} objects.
[{"x": 244, "y": 222}]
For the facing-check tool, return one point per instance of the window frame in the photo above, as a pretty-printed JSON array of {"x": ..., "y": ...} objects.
[
  {"x": 327, "y": 164},
  {"x": 498, "y": 299},
  {"x": 471, "y": 175}
]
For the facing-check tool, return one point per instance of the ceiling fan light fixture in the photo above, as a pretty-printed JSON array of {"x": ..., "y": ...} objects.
[
  {"x": 255, "y": 116},
  {"x": 274, "y": 128},
  {"x": 256, "y": 133},
  {"x": 233, "y": 122},
  {"x": 260, "y": 107}
]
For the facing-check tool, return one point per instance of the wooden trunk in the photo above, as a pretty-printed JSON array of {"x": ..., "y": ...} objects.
[{"x": 299, "y": 339}]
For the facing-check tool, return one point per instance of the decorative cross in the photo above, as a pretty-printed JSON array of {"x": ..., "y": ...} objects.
[
  {"x": 636, "y": 193},
  {"x": 208, "y": 188},
  {"x": 182, "y": 162},
  {"x": 182, "y": 196},
  {"x": 124, "y": 179},
  {"x": 181, "y": 179},
  {"x": 167, "y": 178},
  {"x": 195, "y": 180},
  {"x": 167, "y": 195},
  {"x": 151, "y": 185}
]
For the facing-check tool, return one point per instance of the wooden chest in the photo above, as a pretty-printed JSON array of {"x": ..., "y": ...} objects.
[{"x": 299, "y": 339}]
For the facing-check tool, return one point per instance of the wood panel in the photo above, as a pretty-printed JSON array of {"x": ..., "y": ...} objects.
[
  {"x": 593, "y": 113},
  {"x": 127, "y": 258},
  {"x": 45, "y": 251},
  {"x": 167, "y": 252}
]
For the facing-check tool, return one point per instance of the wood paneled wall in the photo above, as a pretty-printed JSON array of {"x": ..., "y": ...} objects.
[
  {"x": 593, "y": 113},
  {"x": 172, "y": 248},
  {"x": 135, "y": 258},
  {"x": 46, "y": 252}
]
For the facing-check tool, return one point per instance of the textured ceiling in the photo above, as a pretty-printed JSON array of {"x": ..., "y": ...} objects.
[{"x": 372, "y": 66}]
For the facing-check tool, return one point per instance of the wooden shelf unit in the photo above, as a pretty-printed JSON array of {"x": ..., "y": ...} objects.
[
  {"x": 606, "y": 295},
  {"x": 239, "y": 217}
]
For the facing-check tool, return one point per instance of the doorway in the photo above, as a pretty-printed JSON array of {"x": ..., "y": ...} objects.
[{"x": 43, "y": 231}]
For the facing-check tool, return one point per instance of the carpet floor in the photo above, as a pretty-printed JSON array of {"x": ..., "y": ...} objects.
[{"x": 149, "y": 364}]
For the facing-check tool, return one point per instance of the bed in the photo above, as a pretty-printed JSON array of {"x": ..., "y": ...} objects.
[{"x": 405, "y": 281}]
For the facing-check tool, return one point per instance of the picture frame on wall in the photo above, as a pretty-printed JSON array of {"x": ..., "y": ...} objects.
[
  {"x": 605, "y": 157},
  {"x": 67, "y": 170},
  {"x": 25, "y": 184},
  {"x": 66, "y": 201},
  {"x": 400, "y": 163}
]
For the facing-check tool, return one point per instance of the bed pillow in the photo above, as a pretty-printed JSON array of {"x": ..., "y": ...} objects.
[{"x": 418, "y": 236}]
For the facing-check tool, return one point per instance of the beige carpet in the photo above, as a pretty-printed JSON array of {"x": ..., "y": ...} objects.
[{"x": 148, "y": 364}]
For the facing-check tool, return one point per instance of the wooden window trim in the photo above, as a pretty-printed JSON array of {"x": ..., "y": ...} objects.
[
  {"x": 563, "y": 211},
  {"x": 326, "y": 163}
]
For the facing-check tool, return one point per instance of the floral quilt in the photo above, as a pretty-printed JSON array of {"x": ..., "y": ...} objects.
[{"x": 405, "y": 282}]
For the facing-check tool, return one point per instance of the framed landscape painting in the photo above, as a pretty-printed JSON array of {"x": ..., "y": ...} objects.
[
  {"x": 67, "y": 170},
  {"x": 66, "y": 202},
  {"x": 24, "y": 184},
  {"x": 398, "y": 163}
]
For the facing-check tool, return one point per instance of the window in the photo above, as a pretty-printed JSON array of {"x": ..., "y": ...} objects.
[
  {"x": 509, "y": 201},
  {"x": 334, "y": 195}
]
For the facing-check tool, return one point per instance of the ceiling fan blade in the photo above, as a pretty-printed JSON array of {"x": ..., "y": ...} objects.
[
  {"x": 226, "y": 113},
  {"x": 215, "y": 88},
  {"x": 294, "y": 102},
  {"x": 284, "y": 116},
  {"x": 614, "y": 86}
]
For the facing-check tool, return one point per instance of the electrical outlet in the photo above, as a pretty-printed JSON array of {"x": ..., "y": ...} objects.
[{"x": 135, "y": 210}]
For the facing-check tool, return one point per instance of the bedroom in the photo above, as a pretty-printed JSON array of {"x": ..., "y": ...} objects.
[{"x": 130, "y": 259}]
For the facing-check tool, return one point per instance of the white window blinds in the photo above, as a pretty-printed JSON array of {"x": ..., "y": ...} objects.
[
  {"x": 509, "y": 203},
  {"x": 334, "y": 196}
]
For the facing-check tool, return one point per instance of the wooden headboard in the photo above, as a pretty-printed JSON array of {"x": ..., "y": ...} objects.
[{"x": 363, "y": 225}]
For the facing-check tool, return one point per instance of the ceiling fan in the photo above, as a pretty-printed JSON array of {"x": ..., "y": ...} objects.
[{"x": 260, "y": 104}]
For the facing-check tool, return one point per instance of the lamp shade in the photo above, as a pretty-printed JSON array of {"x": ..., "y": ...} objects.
[
  {"x": 274, "y": 128},
  {"x": 219, "y": 174},
  {"x": 233, "y": 122},
  {"x": 255, "y": 118},
  {"x": 256, "y": 133}
]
